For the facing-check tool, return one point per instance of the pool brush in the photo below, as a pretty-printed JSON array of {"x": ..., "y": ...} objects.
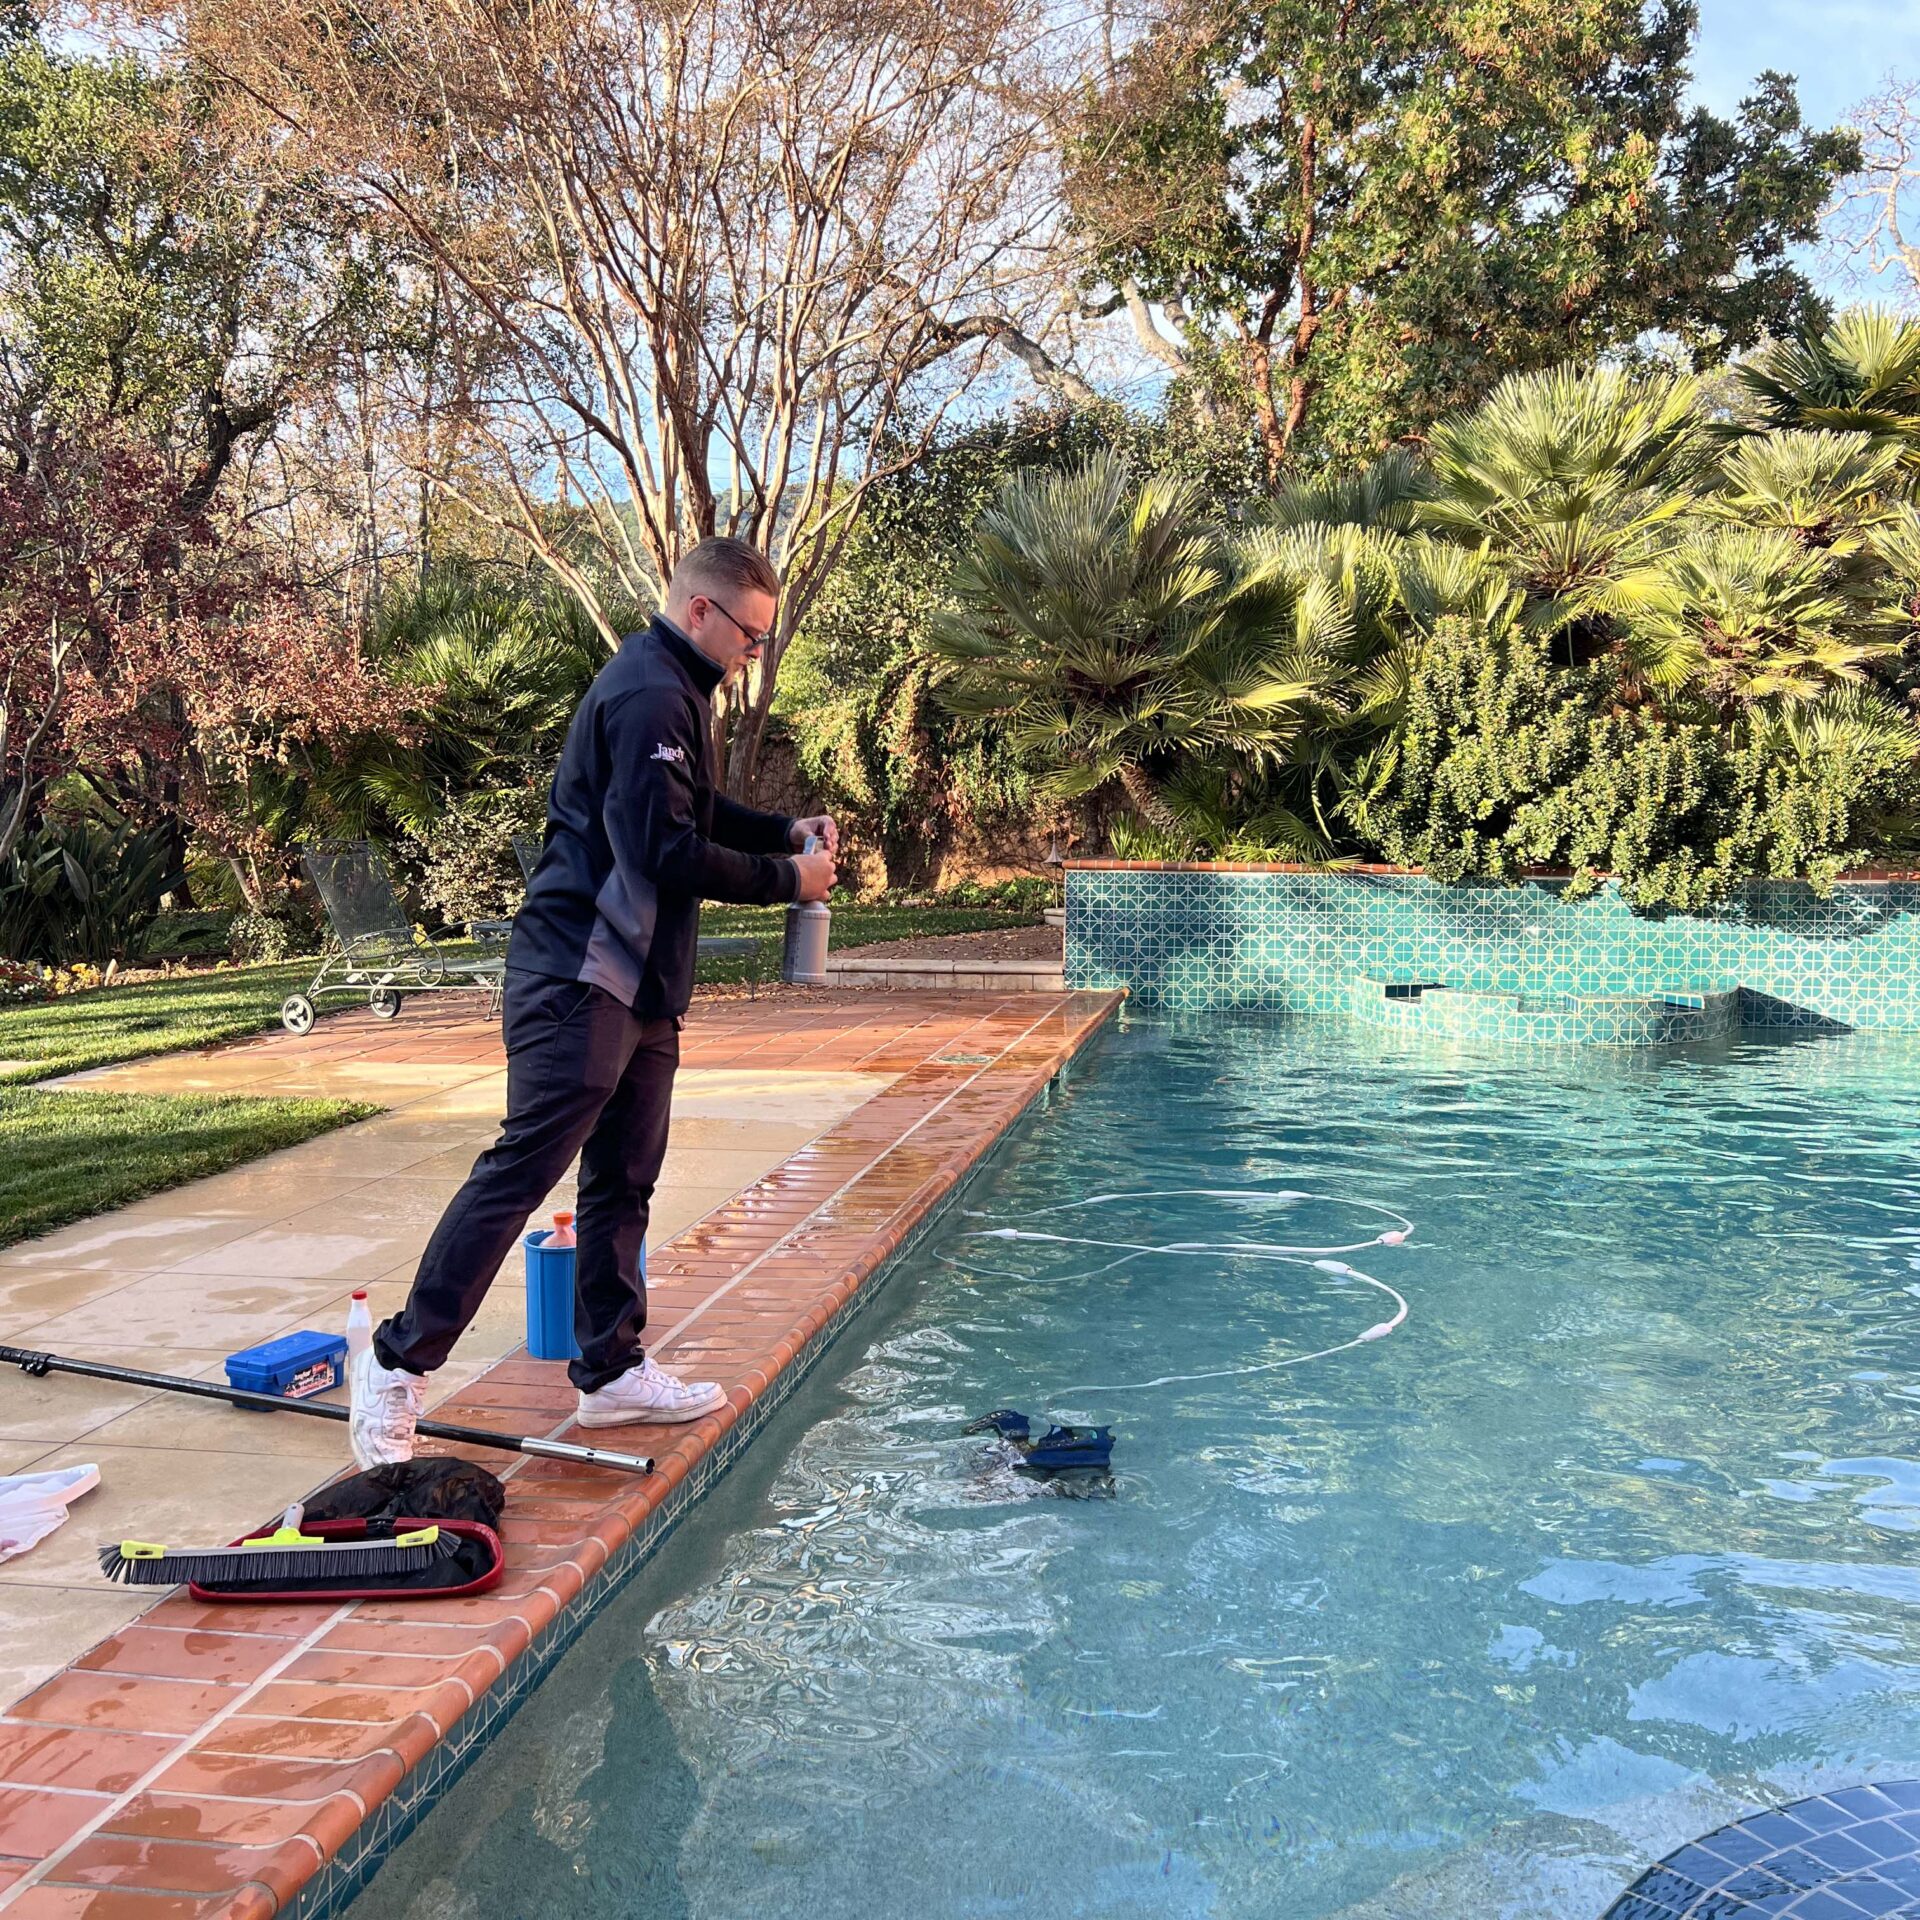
[{"x": 286, "y": 1555}]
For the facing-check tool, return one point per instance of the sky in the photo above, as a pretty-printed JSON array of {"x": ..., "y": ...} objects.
[{"x": 1840, "y": 50}]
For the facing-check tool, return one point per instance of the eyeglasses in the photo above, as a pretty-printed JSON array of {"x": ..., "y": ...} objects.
[{"x": 755, "y": 641}]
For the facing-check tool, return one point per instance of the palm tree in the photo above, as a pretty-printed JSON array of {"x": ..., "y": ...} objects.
[
  {"x": 1747, "y": 616},
  {"x": 1895, "y": 546},
  {"x": 490, "y": 670},
  {"x": 1571, "y": 480},
  {"x": 1825, "y": 489},
  {"x": 1383, "y": 496},
  {"x": 1860, "y": 375},
  {"x": 1097, "y": 619}
]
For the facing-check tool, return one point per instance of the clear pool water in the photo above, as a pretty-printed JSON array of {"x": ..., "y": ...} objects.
[{"x": 1615, "y": 1537}]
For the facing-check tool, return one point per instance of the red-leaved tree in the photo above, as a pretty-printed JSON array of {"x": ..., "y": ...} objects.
[
  {"x": 148, "y": 645},
  {"x": 85, "y": 532},
  {"x": 238, "y": 692}
]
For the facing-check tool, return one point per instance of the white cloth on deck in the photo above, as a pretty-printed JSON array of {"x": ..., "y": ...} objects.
[{"x": 33, "y": 1504}]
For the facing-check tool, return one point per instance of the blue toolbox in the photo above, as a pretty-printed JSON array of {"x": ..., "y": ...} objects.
[{"x": 295, "y": 1366}]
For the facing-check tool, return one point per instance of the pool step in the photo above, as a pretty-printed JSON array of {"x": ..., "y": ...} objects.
[{"x": 930, "y": 972}]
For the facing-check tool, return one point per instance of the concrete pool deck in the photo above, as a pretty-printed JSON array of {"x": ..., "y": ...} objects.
[{"x": 241, "y": 1760}]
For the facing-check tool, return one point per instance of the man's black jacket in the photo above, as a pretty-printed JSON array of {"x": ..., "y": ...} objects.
[{"x": 637, "y": 835}]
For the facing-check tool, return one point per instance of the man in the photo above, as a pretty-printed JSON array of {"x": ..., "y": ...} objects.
[{"x": 599, "y": 973}]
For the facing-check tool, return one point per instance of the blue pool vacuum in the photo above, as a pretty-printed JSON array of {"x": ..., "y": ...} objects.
[{"x": 1058, "y": 1450}]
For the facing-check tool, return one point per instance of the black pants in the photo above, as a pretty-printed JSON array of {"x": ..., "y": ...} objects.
[{"x": 584, "y": 1076}]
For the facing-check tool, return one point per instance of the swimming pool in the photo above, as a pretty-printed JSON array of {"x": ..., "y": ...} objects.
[{"x": 1612, "y": 1539}]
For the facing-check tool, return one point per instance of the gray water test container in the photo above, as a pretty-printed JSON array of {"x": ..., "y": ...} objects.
[{"x": 803, "y": 959}]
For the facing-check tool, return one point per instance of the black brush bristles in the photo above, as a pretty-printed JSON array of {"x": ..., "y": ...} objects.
[{"x": 137, "y": 1564}]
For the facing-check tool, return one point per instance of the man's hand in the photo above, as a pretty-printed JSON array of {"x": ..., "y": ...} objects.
[
  {"x": 816, "y": 875},
  {"x": 822, "y": 827}
]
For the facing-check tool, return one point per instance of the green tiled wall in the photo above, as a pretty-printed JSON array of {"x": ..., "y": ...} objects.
[{"x": 1298, "y": 940}]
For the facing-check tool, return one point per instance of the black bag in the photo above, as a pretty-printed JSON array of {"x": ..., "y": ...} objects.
[{"x": 415, "y": 1490}]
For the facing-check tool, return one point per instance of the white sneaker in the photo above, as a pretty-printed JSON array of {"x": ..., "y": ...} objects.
[
  {"x": 385, "y": 1405},
  {"x": 649, "y": 1392}
]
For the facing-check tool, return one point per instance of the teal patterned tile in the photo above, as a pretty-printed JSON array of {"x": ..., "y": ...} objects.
[{"x": 1296, "y": 941}]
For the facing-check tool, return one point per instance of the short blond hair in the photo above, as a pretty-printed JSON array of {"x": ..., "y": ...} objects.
[{"x": 722, "y": 564}]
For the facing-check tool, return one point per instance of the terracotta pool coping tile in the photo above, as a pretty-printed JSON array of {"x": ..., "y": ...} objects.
[
  {"x": 182, "y": 1654},
  {"x": 93, "y": 1761},
  {"x": 184, "y": 1613},
  {"x": 33, "y": 1823},
  {"x": 51, "y": 1901},
  {"x": 132, "y": 1702},
  {"x": 157, "y": 1815},
  {"x": 331, "y": 1715},
  {"x": 476, "y": 1668},
  {"x": 254, "y": 1737},
  {"x": 442, "y": 1700},
  {"x": 135, "y": 1863},
  {"x": 276, "y": 1777}
]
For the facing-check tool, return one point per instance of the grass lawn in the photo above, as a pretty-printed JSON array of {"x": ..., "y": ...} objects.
[
  {"x": 105, "y": 1024},
  {"x": 66, "y": 1155},
  {"x": 95, "y": 1029}
]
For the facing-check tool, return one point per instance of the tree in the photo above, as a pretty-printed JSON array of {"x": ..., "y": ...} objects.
[
  {"x": 157, "y": 275},
  {"x": 168, "y": 295},
  {"x": 1874, "y": 220},
  {"x": 240, "y": 687},
  {"x": 1593, "y": 628},
  {"x": 1859, "y": 375},
  {"x": 489, "y": 667},
  {"x": 1828, "y": 490},
  {"x": 1571, "y": 479},
  {"x": 698, "y": 268},
  {"x": 858, "y": 691},
  {"x": 1749, "y": 615},
  {"x": 136, "y": 636},
  {"x": 1355, "y": 216},
  {"x": 1096, "y": 621},
  {"x": 86, "y": 528}
]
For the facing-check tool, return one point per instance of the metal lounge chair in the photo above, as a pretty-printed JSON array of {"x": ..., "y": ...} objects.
[
  {"x": 375, "y": 950},
  {"x": 526, "y": 849}
]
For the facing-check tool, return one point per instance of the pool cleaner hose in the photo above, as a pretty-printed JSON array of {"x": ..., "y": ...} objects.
[
  {"x": 37, "y": 1364},
  {"x": 1396, "y": 1231}
]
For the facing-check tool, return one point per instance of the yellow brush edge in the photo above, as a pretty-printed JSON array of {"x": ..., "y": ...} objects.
[{"x": 283, "y": 1537}]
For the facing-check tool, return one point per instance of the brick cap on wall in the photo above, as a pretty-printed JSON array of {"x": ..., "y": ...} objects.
[{"x": 1336, "y": 870}]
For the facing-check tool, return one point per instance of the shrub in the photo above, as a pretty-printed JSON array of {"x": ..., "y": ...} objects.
[
  {"x": 191, "y": 932},
  {"x": 82, "y": 891},
  {"x": 256, "y": 939},
  {"x": 1505, "y": 765},
  {"x": 468, "y": 869}
]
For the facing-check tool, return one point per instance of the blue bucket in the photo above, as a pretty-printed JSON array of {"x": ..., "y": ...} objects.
[{"x": 550, "y": 1297}]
